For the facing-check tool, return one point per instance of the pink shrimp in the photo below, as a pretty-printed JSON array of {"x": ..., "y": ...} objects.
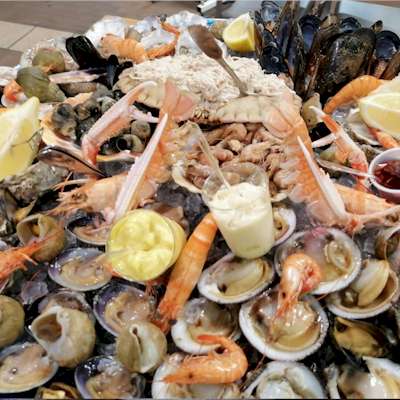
[
  {"x": 385, "y": 139},
  {"x": 300, "y": 274},
  {"x": 186, "y": 272},
  {"x": 214, "y": 368}
]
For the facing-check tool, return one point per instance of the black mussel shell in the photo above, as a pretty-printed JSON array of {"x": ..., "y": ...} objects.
[
  {"x": 309, "y": 25},
  {"x": 83, "y": 52},
  {"x": 269, "y": 14},
  {"x": 377, "y": 26},
  {"x": 387, "y": 45},
  {"x": 393, "y": 68},
  {"x": 271, "y": 58},
  {"x": 349, "y": 24},
  {"x": 114, "y": 69},
  {"x": 296, "y": 58}
]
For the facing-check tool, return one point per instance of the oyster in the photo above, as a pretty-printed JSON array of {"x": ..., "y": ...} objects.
[
  {"x": 285, "y": 380},
  {"x": 141, "y": 346},
  {"x": 41, "y": 226},
  {"x": 292, "y": 338},
  {"x": 68, "y": 335},
  {"x": 117, "y": 304},
  {"x": 162, "y": 390},
  {"x": 203, "y": 317},
  {"x": 372, "y": 293},
  {"x": 333, "y": 250},
  {"x": 12, "y": 318},
  {"x": 24, "y": 367},
  {"x": 80, "y": 269},
  {"x": 234, "y": 280},
  {"x": 105, "y": 378}
]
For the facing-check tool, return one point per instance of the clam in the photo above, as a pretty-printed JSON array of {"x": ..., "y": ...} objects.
[
  {"x": 203, "y": 317},
  {"x": 292, "y": 338},
  {"x": 285, "y": 380},
  {"x": 387, "y": 245},
  {"x": 141, "y": 347},
  {"x": 80, "y": 269},
  {"x": 162, "y": 390},
  {"x": 361, "y": 338},
  {"x": 372, "y": 293},
  {"x": 24, "y": 367},
  {"x": 117, "y": 305},
  {"x": 335, "y": 252},
  {"x": 83, "y": 228},
  {"x": 57, "y": 390},
  {"x": 68, "y": 335},
  {"x": 234, "y": 280},
  {"x": 285, "y": 223},
  {"x": 41, "y": 226},
  {"x": 12, "y": 318},
  {"x": 105, "y": 378}
]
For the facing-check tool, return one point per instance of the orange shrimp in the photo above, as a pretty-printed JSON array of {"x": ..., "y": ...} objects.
[
  {"x": 214, "y": 368},
  {"x": 111, "y": 123},
  {"x": 346, "y": 148},
  {"x": 354, "y": 90},
  {"x": 165, "y": 49},
  {"x": 300, "y": 274},
  {"x": 386, "y": 140},
  {"x": 123, "y": 48},
  {"x": 186, "y": 272},
  {"x": 12, "y": 91}
]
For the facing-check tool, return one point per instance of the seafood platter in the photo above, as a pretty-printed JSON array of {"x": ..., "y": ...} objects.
[{"x": 199, "y": 208}]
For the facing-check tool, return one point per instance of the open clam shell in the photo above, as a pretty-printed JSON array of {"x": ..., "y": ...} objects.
[
  {"x": 333, "y": 250},
  {"x": 12, "y": 318},
  {"x": 118, "y": 304},
  {"x": 234, "y": 280},
  {"x": 285, "y": 223},
  {"x": 300, "y": 334},
  {"x": 285, "y": 379},
  {"x": 203, "y": 317},
  {"x": 80, "y": 269},
  {"x": 163, "y": 390},
  {"x": 387, "y": 245},
  {"x": 24, "y": 367},
  {"x": 83, "y": 229},
  {"x": 372, "y": 293},
  {"x": 105, "y": 378}
]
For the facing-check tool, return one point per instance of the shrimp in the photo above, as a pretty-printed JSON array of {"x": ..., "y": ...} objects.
[
  {"x": 123, "y": 48},
  {"x": 346, "y": 148},
  {"x": 387, "y": 141},
  {"x": 186, "y": 272},
  {"x": 214, "y": 368},
  {"x": 300, "y": 274},
  {"x": 111, "y": 123},
  {"x": 165, "y": 49},
  {"x": 354, "y": 90},
  {"x": 12, "y": 91}
]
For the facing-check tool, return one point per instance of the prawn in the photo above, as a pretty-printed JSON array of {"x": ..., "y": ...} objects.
[
  {"x": 111, "y": 123},
  {"x": 167, "y": 48},
  {"x": 186, "y": 272},
  {"x": 354, "y": 90},
  {"x": 346, "y": 148},
  {"x": 300, "y": 274},
  {"x": 214, "y": 368},
  {"x": 387, "y": 141},
  {"x": 123, "y": 48}
]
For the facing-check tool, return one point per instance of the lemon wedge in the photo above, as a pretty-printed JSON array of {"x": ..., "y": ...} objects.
[
  {"x": 239, "y": 34},
  {"x": 382, "y": 111},
  {"x": 18, "y": 146}
]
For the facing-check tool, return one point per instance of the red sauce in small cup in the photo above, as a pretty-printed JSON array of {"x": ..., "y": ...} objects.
[{"x": 388, "y": 174}]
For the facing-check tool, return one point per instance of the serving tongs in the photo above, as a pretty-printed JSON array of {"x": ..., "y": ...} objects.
[{"x": 209, "y": 46}]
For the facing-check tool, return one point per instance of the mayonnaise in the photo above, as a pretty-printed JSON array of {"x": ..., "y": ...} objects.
[{"x": 243, "y": 214}]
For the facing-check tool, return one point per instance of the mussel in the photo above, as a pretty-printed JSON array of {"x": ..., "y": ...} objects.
[
  {"x": 63, "y": 121},
  {"x": 349, "y": 24},
  {"x": 84, "y": 53},
  {"x": 387, "y": 45},
  {"x": 309, "y": 25},
  {"x": 12, "y": 318}
]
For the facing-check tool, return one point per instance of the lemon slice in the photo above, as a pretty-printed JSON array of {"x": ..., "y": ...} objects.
[
  {"x": 239, "y": 34},
  {"x": 382, "y": 111},
  {"x": 18, "y": 146}
]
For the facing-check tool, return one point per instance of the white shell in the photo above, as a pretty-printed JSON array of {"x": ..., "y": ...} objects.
[
  {"x": 208, "y": 285},
  {"x": 299, "y": 373},
  {"x": 337, "y": 284},
  {"x": 290, "y": 217},
  {"x": 162, "y": 390},
  {"x": 250, "y": 331}
]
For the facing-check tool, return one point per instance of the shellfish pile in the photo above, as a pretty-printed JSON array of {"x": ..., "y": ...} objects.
[{"x": 120, "y": 278}]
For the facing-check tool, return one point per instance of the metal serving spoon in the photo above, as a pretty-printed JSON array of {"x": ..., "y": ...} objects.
[{"x": 209, "y": 46}]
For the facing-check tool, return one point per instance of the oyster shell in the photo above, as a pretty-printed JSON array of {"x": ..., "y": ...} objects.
[
  {"x": 285, "y": 380},
  {"x": 162, "y": 390},
  {"x": 292, "y": 338},
  {"x": 333, "y": 250},
  {"x": 80, "y": 269},
  {"x": 234, "y": 280},
  {"x": 117, "y": 304},
  {"x": 12, "y": 318},
  {"x": 203, "y": 317},
  {"x": 372, "y": 293},
  {"x": 105, "y": 378},
  {"x": 67, "y": 335},
  {"x": 24, "y": 367}
]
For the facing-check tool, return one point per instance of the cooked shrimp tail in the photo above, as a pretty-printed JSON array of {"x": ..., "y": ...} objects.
[
  {"x": 214, "y": 368},
  {"x": 385, "y": 139}
]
